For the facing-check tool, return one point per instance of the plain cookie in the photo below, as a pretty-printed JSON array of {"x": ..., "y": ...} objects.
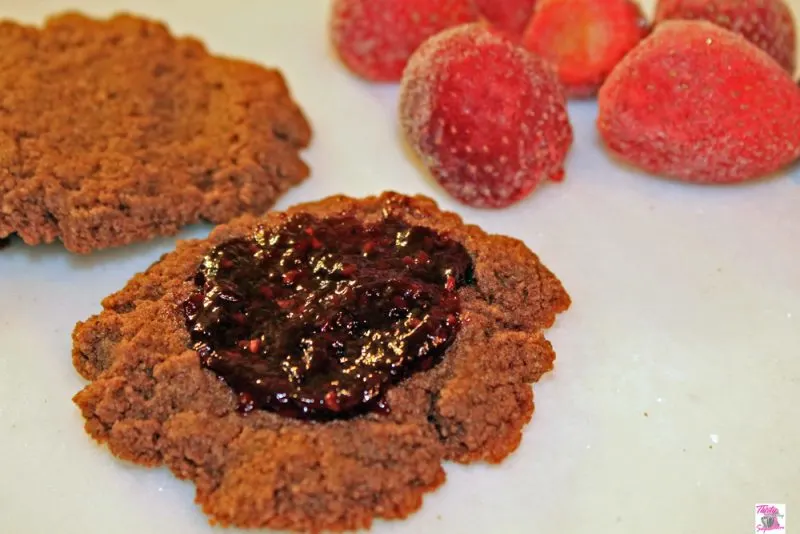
[{"x": 113, "y": 131}]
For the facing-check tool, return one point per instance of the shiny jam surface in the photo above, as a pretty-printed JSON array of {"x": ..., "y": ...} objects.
[{"x": 317, "y": 318}]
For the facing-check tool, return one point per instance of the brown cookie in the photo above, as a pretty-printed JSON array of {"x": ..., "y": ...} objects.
[
  {"x": 154, "y": 401},
  {"x": 113, "y": 131}
]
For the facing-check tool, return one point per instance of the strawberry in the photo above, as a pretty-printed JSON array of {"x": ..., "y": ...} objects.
[
  {"x": 488, "y": 118},
  {"x": 766, "y": 23},
  {"x": 584, "y": 39},
  {"x": 375, "y": 38},
  {"x": 699, "y": 103},
  {"x": 508, "y": 16}
]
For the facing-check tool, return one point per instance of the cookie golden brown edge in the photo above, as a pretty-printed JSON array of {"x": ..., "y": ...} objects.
[{"x": 152, "y": 402}]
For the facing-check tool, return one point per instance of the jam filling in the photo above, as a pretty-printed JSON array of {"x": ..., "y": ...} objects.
[{"x": 317, "y": 318}]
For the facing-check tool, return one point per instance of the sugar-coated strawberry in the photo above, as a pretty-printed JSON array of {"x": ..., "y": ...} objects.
[
  {"x": 487, "y": 117},
  {"x": 584, "y": 39},
  {"x": 375, "y": 38},
  {"x": 769, "y": 24},
  {"x": 508, "y": 16},
  {"x": 699, "y": 103}
]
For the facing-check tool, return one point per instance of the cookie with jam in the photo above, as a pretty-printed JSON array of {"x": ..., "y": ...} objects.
[{"x": 312, "y": 369}]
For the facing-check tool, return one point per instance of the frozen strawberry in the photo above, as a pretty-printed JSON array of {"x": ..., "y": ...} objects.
[
  {"x": 699, "y": 103},
  {"x": 584, "y": 39},
  {"x": 486, "y": 117},
  {"x": 375, "y": 38},
  {"x": 508, "y": 16},
  {"x": 766, "y": 23}
]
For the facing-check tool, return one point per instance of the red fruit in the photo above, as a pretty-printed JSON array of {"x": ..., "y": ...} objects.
[
  {"x": 584, "y": 39},
  {"x": 487, "y": 117},
  {"x": 375, "y": 38},
  {"x": 699, "y": 103},
  {"x": 508, "y": 16},
  {"x": 766, "y": 23}
]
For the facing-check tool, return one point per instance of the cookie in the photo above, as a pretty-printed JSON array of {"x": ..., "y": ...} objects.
[
  {"x": 114, "y": 131},
  {"x": 312, "y": 369}
]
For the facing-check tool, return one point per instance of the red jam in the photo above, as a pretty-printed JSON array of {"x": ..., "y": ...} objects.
[{"x": 317, "y": 318}]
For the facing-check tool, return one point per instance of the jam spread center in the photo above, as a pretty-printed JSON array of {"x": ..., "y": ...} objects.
[{"x": 317, "y": 318}]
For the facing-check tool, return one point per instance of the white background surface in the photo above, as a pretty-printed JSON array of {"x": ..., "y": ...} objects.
[{"x": 674, "y": 404}]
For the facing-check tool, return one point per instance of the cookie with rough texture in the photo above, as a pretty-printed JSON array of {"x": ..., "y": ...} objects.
[
  {"x": 114, "y": 131},
  {"x": 154, "y": 400}
]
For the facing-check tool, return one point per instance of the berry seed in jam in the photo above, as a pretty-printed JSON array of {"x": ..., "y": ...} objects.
[{"x": 318, "y": 318}]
